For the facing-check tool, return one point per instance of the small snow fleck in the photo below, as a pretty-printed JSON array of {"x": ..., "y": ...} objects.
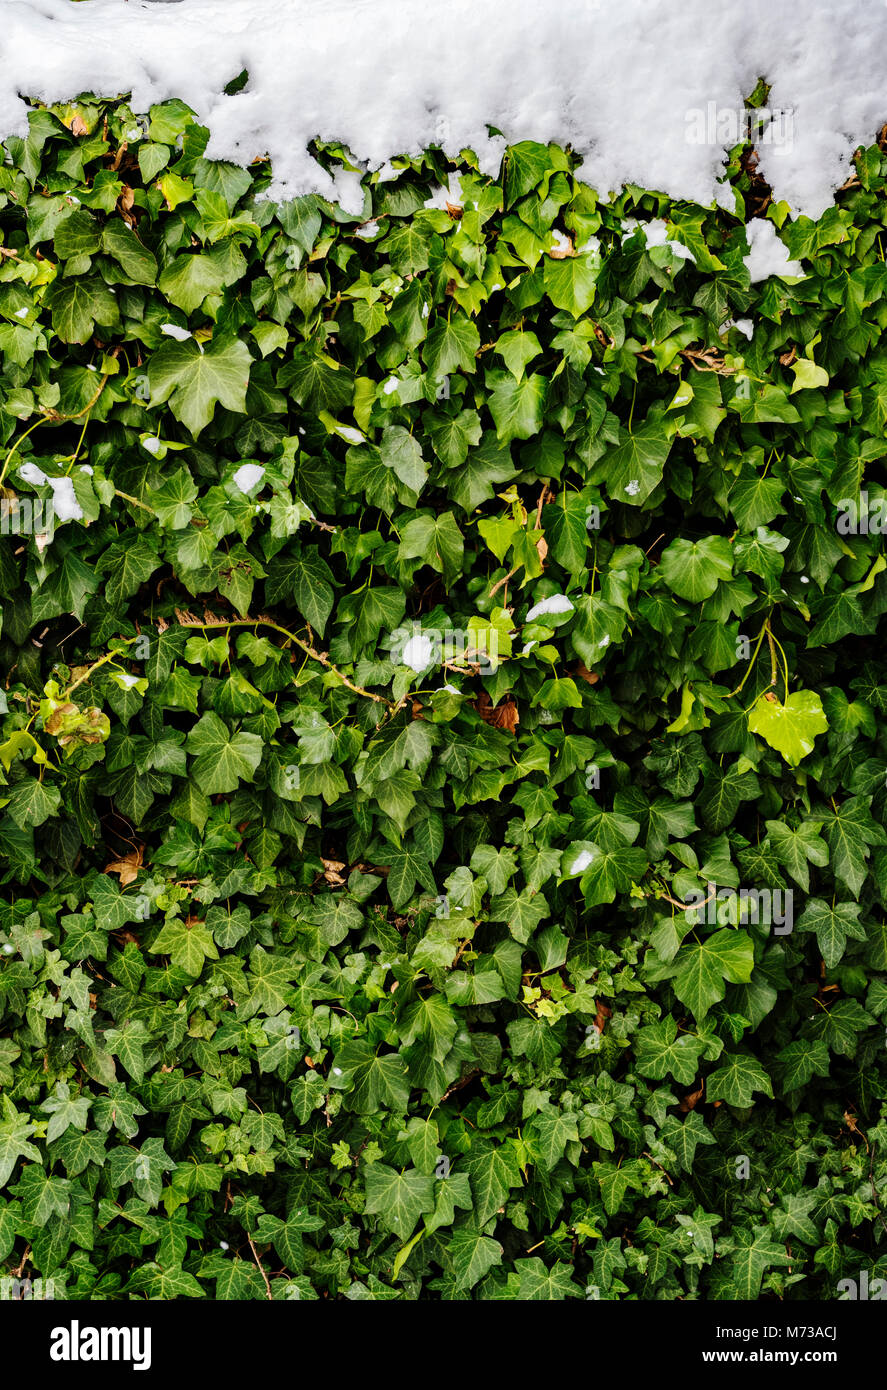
[
  {"x": 172, "y": 330},
  {"x": 8, "y": 950},
  {"x": 337, "y": 1071},
  {"x": 152, "y": 444},
  {"x": 424, "y": 311},
  {"x": 390, "y": 385},
  {"x": 126, "y": 679},
  {"x": 581, "y": 862},
  {"x": 21, "y": 313},
  {"x": 804, "y": 579},
  {"x": 248, "y": 477},
  {"x": 30, "y": 473},
  {"x": 352, "y": 435},
  {"x": 418, "y": 652},
  {"x": 767, "y": 254},
  {"x": 368, "y": 232},
  {"x": 450, "y": 196},
  {"x": 604, "y": 642},
  {"x": 633, "y": 488},
  {"x": 87, "y": 469},
  {"x": 223, "y": 1245},
  {"x": 656, "y": 234},
  {"x": 555, "y": 603},
  {"x": 64, "y": 503}
]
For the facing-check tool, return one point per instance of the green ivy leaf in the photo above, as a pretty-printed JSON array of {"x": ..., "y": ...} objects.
[
  {"x": 193, "y": 379},
  {"x": 789, "y": 727}
]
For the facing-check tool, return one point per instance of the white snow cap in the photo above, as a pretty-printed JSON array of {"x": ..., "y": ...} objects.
[
  {"x": 418, "y": 652},
  {"x": 248, "y": 477},
  {"x": 767, "y": 254},
  {"x": 151, "y": 444},
  {"x": 660, "y": 68},
  {"x": 126, "y": 679},
  {"x": 555, "y": 603}
]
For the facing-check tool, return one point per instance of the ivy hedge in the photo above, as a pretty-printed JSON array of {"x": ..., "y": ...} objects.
[{"x": 406, "y": 615}]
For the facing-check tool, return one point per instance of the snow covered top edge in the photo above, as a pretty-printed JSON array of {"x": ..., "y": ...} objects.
[{"x": 648, "y": 91}]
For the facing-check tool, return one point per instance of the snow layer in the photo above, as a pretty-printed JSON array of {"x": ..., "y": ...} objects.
[{"x": 649, "y": 91}]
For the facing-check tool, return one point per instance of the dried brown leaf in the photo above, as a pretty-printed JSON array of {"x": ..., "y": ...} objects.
[{"x": 128, "y": 866}]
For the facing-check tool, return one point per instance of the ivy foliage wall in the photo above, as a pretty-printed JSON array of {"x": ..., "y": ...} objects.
[{"x": 404, "y": 615}]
